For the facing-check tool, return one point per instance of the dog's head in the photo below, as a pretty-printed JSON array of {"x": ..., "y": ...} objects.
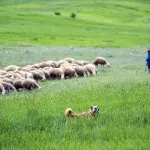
[{"x": 94, "y": 109}]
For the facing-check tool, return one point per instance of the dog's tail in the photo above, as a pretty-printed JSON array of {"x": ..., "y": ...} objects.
[{"x": 68, "y": 112}]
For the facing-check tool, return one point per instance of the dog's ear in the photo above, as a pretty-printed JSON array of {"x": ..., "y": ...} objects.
[{"x": 91, "y": 107}]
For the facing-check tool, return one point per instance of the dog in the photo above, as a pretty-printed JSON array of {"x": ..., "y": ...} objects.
[{"x": 90, "y": 114}]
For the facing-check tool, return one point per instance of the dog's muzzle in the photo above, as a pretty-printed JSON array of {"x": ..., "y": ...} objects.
[{"x": 97, "y": 110}]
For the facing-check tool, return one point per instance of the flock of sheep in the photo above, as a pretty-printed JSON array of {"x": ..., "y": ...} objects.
[{"x": 14, "y": 78}]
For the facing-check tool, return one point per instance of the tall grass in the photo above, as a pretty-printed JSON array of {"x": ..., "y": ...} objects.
[
  {"x": 35, "y": 120},
  {"x": 31, "y": 121}
]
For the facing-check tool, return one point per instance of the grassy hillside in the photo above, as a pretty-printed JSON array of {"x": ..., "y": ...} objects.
[
  {"x": 98, "y": 23},
  {"x": 35, "y": 120}
]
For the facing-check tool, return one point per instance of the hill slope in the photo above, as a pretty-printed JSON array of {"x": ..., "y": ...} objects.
[{"x": 98, "y": 23}]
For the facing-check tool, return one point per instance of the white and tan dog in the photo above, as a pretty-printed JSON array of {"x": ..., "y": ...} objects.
[{"x": 91, "y": 113}]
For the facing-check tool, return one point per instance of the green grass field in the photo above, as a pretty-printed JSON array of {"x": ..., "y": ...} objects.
[
  {"x": 35, "y": 120},
  {"x": 109, "y": 23},
  {"x": 116, "y": 29}
]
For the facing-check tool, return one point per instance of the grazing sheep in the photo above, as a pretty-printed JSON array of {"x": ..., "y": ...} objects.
[
  {"x": 2, "y": 72},
  {"x": 43, "y": 64},
  {"x": 8, "y": 80},
  {"x": 17, "y": 78},
  {"x": 18, "y": 84},
  {"x": 69, "y": 71},
  {"x": 56, "y": 73},
  {"x": 27, "y": 68},
  {"x": 21, "y": 73},
  {"x": 46, "y": 64},
  {"x": 46, "y": 73},
  {"x": 8, "y": 87},
  {"x": 84, "y": 62},
  {"x": 9, "y": 75},
  {"x": 35, "y": 66},
  {"x": 80, "y": 71},
  {"x": 69, "y": 60},
  {"x": 27, "y": 84},
  {"x": 37, "y": 75},
  {"x": 11, "y": 68},
  {"x": 16, "y": 75},
  {"x": 25, "y": 74},
  {"x": 30, "y": 84},
  {"x": 78, "y": 62},
  {"x": 13, "y": 75},
  {"x": 81, "y": 62},
  {"x": 60, "y": 62},
  {"x": 91, "y": 69},
  {"x": 101, "y": 61},
  {"x": 51, "y": 63},
  {"x": 29, "y": 75}
]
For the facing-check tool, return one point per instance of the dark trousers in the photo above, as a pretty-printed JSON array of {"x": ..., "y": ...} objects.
[{"x": 148, "y": 66}]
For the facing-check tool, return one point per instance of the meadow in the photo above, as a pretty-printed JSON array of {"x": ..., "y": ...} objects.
[
  {"x": 35, "y": 120},
  {"x": 118, "y": 30},
  {"x": 109, "y": 23}
]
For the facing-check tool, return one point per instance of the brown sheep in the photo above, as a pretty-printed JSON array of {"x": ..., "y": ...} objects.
[
  {"x": 56, "y": 73},
  {"x": 91, "y": 69},
  {"x": 101, "y": 61}
]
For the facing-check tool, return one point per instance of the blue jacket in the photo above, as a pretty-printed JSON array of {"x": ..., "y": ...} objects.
[{"x": 148, "y": 58}]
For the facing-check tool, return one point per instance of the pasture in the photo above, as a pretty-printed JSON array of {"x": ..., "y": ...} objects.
[
  {"x": 35, "y": 120},
  {"x": 109, "y": 23},
  {"x": 118, "y": 30}
]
